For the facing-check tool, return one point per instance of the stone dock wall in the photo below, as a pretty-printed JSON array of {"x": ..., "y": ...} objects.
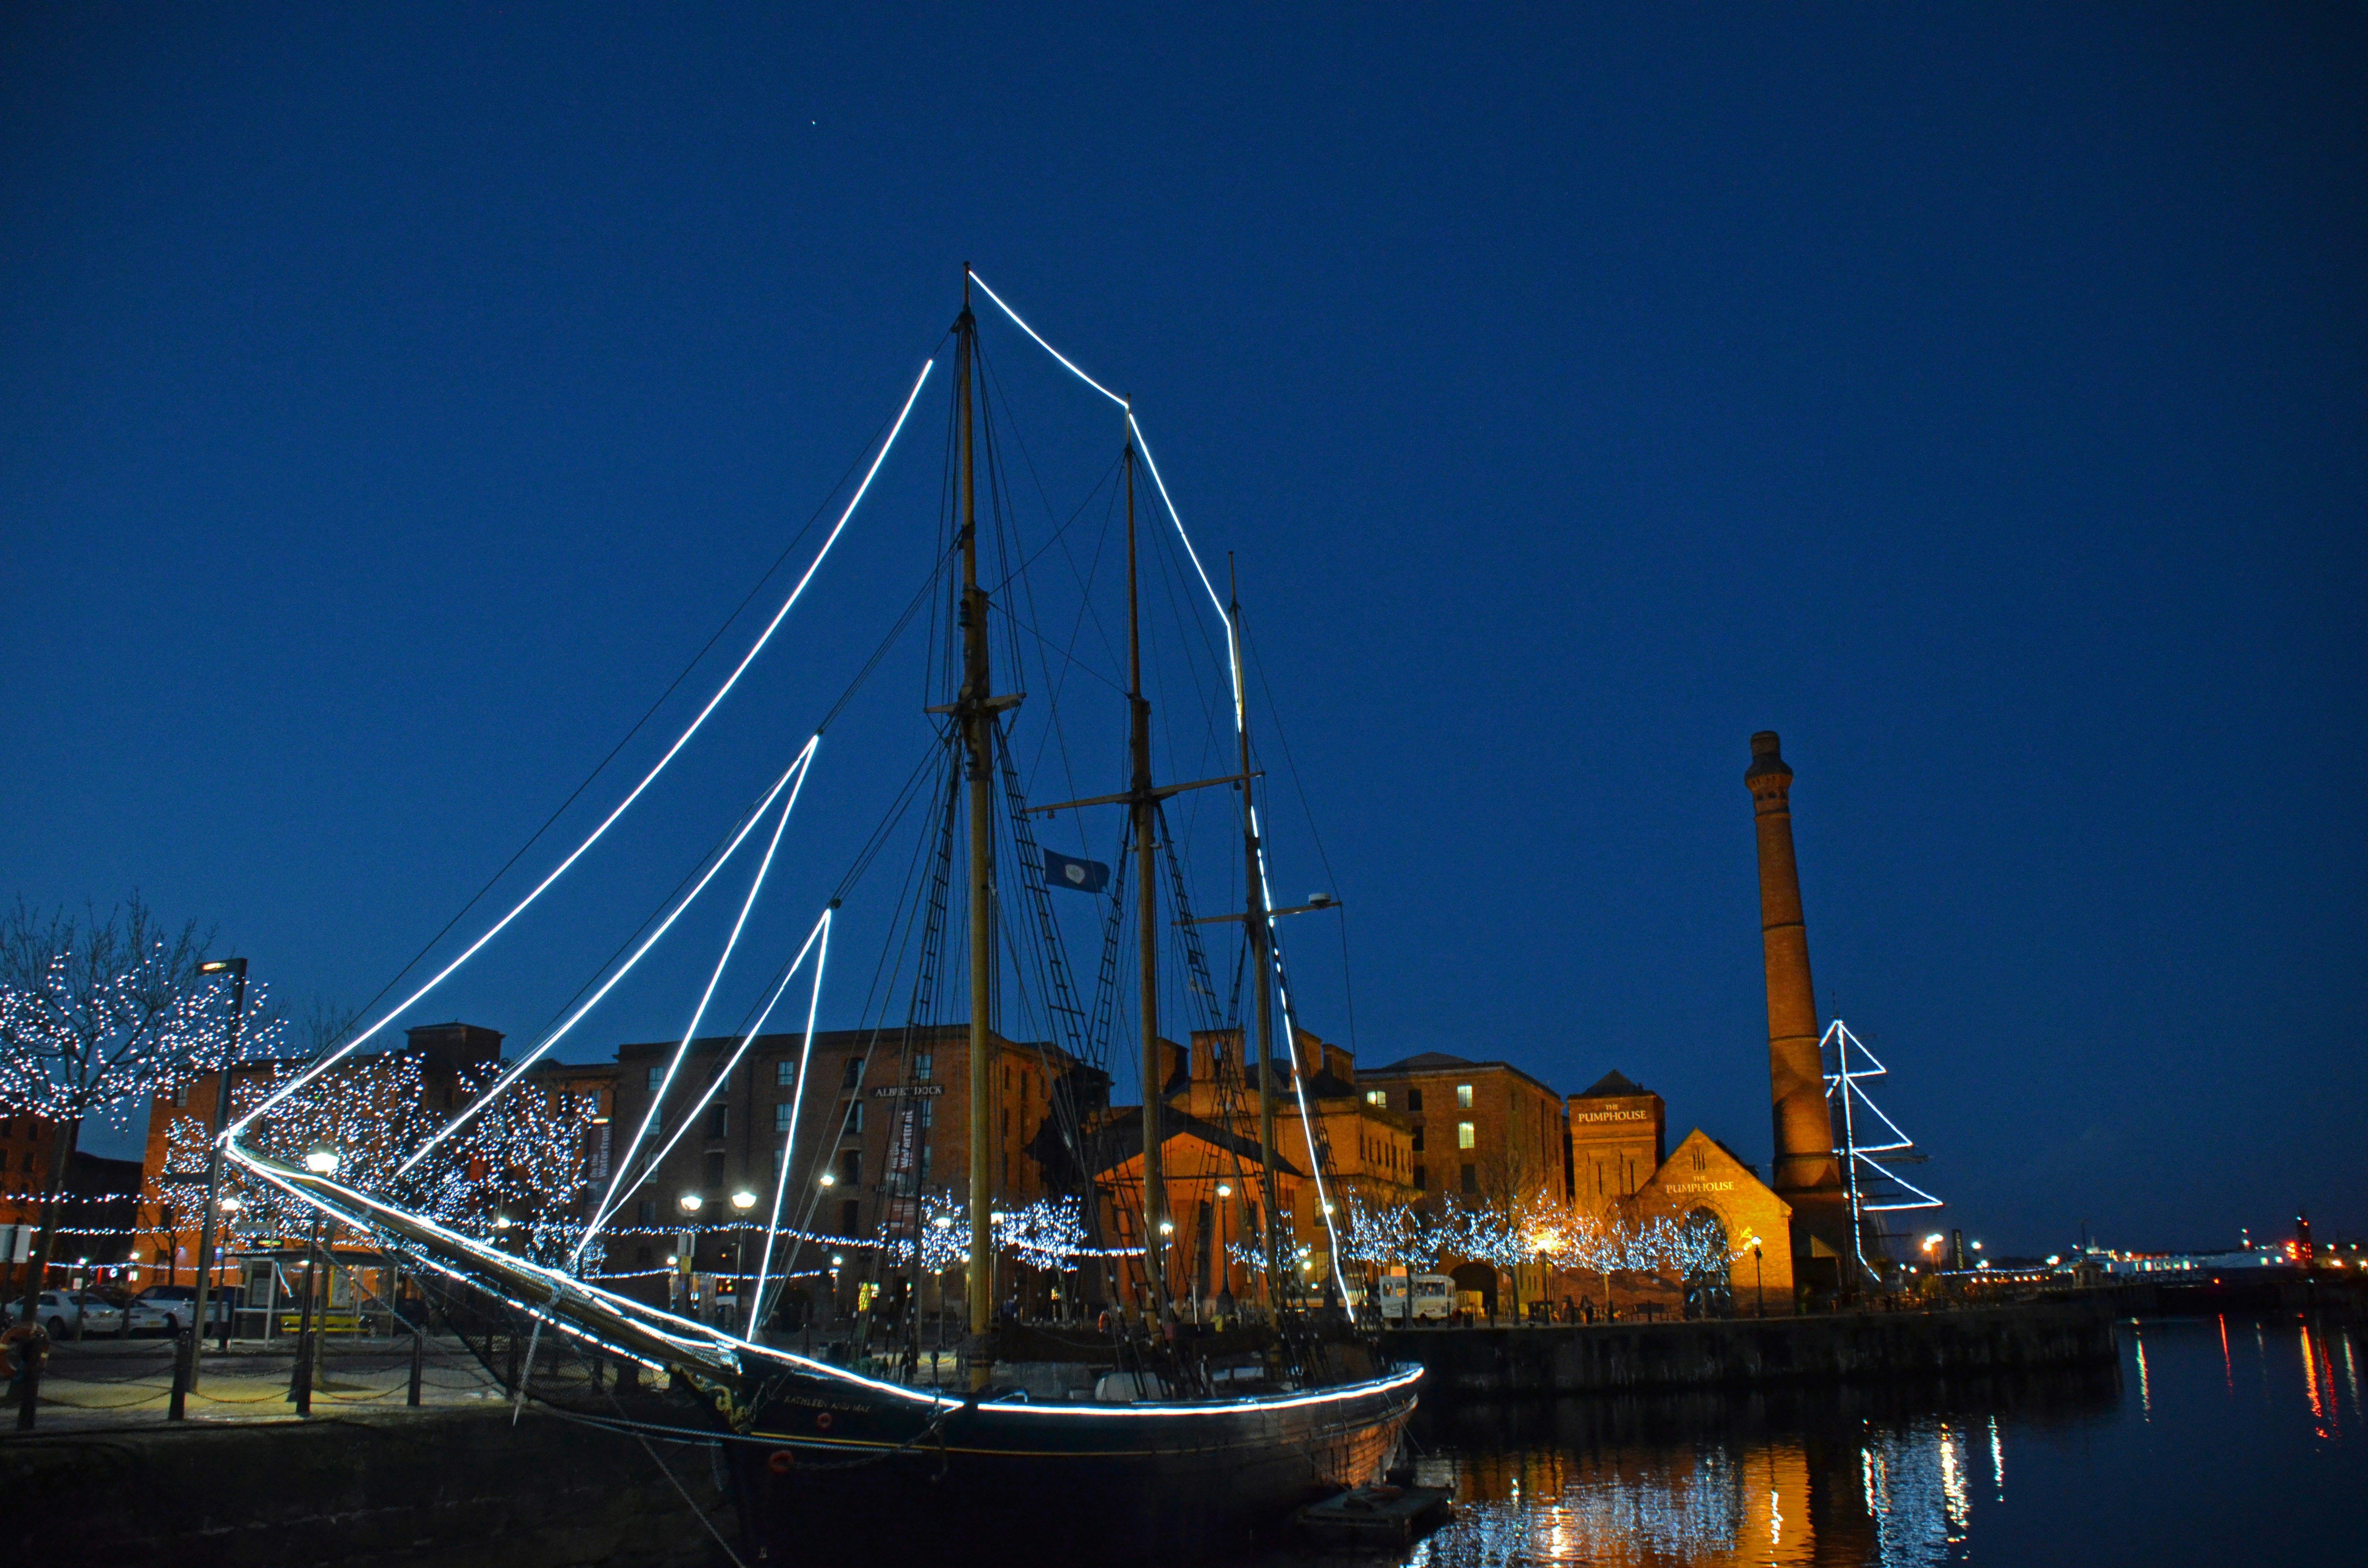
[
  {"x": 1843, "y": 1347},
  {"x": 458, "y": 1489}
]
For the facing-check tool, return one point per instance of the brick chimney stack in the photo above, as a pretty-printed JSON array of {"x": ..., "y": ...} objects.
[{"x": 1807, "y": 1176}]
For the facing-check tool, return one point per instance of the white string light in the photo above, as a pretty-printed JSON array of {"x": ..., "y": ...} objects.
[
  {"x": 756, "y": 885},
  {"x": 617, "y": 1195},
  {"x": 1234, "y": 670},
  {"x": 684, "y": 739},
  {"x": 652, "y": 940},
  {"x": 790, "y": 1139}
]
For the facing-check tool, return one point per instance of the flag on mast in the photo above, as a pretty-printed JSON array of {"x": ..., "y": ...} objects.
[{"x": 1068, "y": 872}]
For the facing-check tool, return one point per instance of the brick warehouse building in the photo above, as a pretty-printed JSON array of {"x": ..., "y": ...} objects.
[
  {"x": 1481, "y": 1130},
  {"x": 884, "y": 1122}
]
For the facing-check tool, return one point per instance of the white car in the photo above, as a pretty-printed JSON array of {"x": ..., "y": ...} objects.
[
  {"x": 169, "y": 1307},
  {"x": 61, "y": 1311}
]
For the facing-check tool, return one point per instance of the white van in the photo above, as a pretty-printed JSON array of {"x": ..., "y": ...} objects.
[{"x": 1434, "y": 1297}]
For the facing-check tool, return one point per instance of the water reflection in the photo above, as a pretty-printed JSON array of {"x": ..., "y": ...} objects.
[
  {"x": 1839, "y": 1476},
  {"x": 2154, "y": 1460}
]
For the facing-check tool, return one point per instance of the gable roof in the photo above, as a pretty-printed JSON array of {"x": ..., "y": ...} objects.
[
  {"x": 1613, "y": 1085},
  {"x": 1119, "y": 1138}
]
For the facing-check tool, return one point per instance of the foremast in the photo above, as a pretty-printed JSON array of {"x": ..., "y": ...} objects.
[
  {"x": 973, "y": 710},
  {"x": 1143, "y": 805}
]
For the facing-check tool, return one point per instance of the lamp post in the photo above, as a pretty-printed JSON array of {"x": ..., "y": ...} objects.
[
  {"x": 687, "y": 1247},
  {"x": 321, "y": 1162},
  {"x": 742, "y": 1201},
  {"x": 185, "y": 1363},
  {"x": 1758, "y": 1285}
]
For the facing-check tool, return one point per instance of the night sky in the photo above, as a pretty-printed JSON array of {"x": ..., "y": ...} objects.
[{"x": 393, "y": 403}]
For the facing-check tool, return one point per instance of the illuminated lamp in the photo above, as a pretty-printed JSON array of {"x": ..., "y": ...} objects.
[
  {"x": 744, "y": 1201},
  {"x": 690, "y": 1202},
  {"x": 322, "y": 1160}
]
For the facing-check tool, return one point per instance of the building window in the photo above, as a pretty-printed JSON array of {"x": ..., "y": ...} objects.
[
  {"x": 854, "y": 1118},
  {"x": 1378, "y": 1096},
  {"x": 647, "y": 1211},
  {"x": 657, "y": 1076},
  {"x": 719, "y": 1122},
  {"x": 851, "y": 1166},
  {"x": 1464, "y": 1136},
  {"x": 785, "y": 1074},
  {"x": 1464, "y": 1096},
  {"x": 854, "y": 1077},
  {"x": 1471, "y": 1181},
  {"x": 782, "y": 1112},
  {"x": 851, "y": 1217},
  {"x": 715, "y": 1172},
  {"x": 1421, "y": 1179},
  {"x": 1417, "y": 1140},
  {"x": 923, "y": 1065},
  {"x": 1414, "y": 1099}
]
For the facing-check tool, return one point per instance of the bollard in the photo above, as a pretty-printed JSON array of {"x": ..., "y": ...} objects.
[
  {"x": 299, "y": 1386},
  {"x": 418, "y": 1352},
  {"x": 184, "y": 1350},
  {"x": 34, "y": 1353}
]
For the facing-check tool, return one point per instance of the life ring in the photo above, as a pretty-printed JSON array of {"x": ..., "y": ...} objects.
[
  {"x": 822, "y": 1421},
  {"x": 780, "y": 1461}
]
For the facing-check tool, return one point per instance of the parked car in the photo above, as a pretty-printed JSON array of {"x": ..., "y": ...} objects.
[
  {"x": 168, "y": 1308},
  {"x": 55, "y": 1310},
  {"x": 65, "y": 1311},
  {"x": 100, "y": 1314}
]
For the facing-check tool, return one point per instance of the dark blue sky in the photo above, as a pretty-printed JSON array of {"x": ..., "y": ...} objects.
[{"x": 392, "y": 403}]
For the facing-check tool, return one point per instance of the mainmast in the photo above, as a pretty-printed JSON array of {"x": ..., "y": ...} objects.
[
  {"x": 974, "y": 709},
  {"x": 1255, "y": 925},
  {"x": 1143, "y": 805}
]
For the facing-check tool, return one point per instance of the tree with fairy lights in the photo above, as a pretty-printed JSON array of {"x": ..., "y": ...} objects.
[
  {"x": 511, "y": 1175},
  {"x": 98, "y": 1015},
  {"x": 1048, "y": 1233}
]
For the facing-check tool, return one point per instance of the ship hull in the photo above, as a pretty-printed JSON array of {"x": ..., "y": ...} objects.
[{"x": 829, "y": 1467}]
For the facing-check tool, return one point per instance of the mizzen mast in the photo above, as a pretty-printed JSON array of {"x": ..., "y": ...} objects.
[{"x": 1256, "y": 927}]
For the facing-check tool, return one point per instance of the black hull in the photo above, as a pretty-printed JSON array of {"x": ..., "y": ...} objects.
[{"x": 836, "y": 1466}]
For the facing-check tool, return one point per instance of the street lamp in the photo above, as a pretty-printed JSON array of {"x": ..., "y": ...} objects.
[
  {"x": 829, "y": 1179},
  {"x": 185, "y": 1366},
  {"x": 690, "y": 1202},
  {"x": 1758, "y": 1285},
  {"x": 321, "y": 1160},
  {"x": 742, "y": 1201}
]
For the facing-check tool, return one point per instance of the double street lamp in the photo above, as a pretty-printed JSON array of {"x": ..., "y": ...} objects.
[
  {"x": 184, "y": 1364},
  {"x": 322, "y": 1161}
]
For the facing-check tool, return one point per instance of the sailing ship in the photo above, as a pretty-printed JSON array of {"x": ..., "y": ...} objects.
[{"x": 1181, "y": 1433}]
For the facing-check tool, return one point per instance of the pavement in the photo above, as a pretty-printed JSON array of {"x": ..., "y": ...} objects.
[{"x": 128, "y": 1382}]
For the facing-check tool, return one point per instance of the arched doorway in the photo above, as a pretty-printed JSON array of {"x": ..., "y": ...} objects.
[
  {"x": 1709, "y": 1293},
  {"x": 1480, "y": 1277}
]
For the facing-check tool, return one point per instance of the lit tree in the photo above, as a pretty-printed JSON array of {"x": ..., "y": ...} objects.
[
  {"x": 1047, "y": 1233},
  {"x": 96, "y": 1016},
  {"x": 511, "y": 1174}
]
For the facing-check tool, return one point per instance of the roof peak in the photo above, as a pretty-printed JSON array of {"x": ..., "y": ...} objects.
[{"x": 1613, "y": 1085}]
